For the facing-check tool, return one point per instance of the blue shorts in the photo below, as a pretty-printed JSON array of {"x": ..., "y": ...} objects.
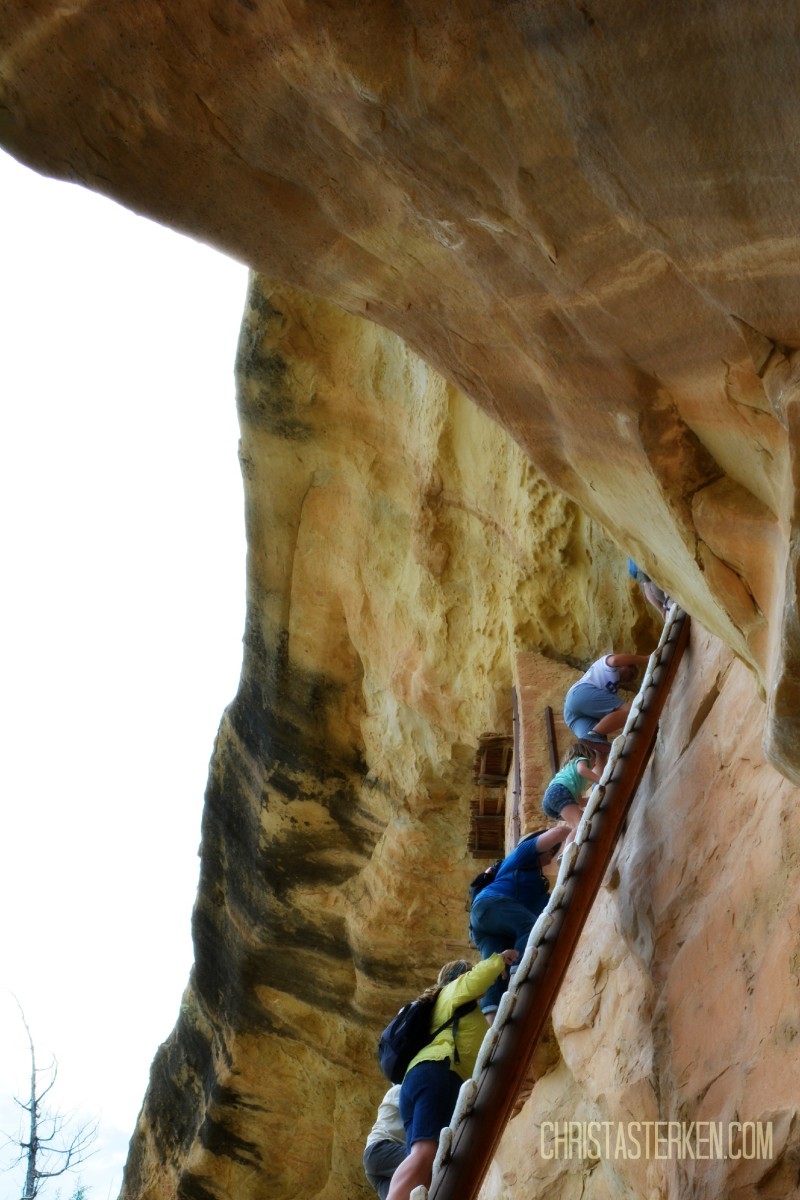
[
  {"x": 427, "y": 1100},
  {"x": 555, "y": 798},
  {"x": 585, "y": 704}
]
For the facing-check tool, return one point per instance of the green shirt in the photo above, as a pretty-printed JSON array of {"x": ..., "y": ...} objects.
[{"x": 570, "y": 778}]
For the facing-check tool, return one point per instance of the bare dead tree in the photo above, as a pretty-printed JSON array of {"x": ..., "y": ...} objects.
[{"x": 47, "y": 1145}]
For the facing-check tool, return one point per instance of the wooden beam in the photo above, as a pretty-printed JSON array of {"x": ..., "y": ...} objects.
[{"x": 552, "y": 745}]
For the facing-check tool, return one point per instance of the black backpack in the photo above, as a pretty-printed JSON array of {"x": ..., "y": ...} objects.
[
  {"x": 409, "y": 1031},
  {"x": 483, "y": 880}
]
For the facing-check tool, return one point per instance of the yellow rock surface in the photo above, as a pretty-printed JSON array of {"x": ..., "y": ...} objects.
[{"x": 402, "y": 552}]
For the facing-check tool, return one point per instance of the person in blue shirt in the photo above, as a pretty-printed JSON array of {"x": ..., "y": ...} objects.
[{"x": 505, "y": 911}]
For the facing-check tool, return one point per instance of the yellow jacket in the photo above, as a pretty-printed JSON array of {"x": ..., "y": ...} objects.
[{"x": 472, "y": 1027}]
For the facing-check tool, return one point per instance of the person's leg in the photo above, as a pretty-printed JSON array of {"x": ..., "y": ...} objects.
[
  {"x": 504, "y": 920},
  {"x": 612, "y": 721},
  {"x": 571, "y": 710},
  {"x": 488, "y": 931},
  {"x": 492, "y": 933},
  {"x": 656, "y": 597},
  {"x": 427, "y": 1099},
  {"x": 559, "y": 803},
  {"x": 381, "y": 1160},
  {"x": 585, "y": 705},
  {"x": 525, "y": 921},
  {"x": 571, "y": 813},
  {"x": 555, "y": 797},
  {"x": 416, "y": 1169},
  {"x": 602, "y": 750}
]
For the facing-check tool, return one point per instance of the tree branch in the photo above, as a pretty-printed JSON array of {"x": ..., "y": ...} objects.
[{"x": 44, "y": 1160}]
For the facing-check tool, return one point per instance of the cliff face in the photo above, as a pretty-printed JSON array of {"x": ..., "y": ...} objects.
[
  {"x": 401, "y": 551},
  {"x": 584, "y": 222}
]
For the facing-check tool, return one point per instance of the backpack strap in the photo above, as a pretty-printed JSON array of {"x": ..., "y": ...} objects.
[{"x": 461, "y": 1011}]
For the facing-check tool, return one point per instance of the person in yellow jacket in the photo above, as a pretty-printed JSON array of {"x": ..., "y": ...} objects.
[{"x": 431, "y": 1083}]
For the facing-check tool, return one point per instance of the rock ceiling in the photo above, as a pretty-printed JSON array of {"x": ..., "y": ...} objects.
[{"x": 585, "y": 216}]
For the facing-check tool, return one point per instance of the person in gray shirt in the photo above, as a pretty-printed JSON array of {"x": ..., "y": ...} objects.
[{"x": 386, "y": 1143}]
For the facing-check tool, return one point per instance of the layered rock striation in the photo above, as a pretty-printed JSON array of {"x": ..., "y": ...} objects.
[{"x": 401, "y": 549}]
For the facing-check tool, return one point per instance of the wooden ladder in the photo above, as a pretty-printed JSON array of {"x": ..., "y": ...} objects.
[{"x": 486, "y": 1101}]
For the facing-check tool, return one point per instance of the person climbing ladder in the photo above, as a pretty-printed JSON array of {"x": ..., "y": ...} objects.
[
  {"x": 505, "y": 910},
  {"x": 386, "y": 1143},
  {"x": 431, "y": 1084},
  {"x": 581, "y": 766},
  {"x": 592, "y": 708}
]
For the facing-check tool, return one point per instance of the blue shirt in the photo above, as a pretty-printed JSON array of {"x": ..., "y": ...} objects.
[{"x": 520, "y": 877}]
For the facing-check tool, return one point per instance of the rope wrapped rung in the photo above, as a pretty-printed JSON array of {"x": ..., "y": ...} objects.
[
  {"x": 445, "y": 1145},
  {"x": 465, "y": 1102},
  {"x": 568, "y": 861},
  {"x": 505, "y": 1009},
  {"x": 489, "y": 1042}
]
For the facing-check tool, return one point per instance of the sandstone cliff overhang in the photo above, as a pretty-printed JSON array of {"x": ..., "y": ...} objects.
[
  {"x": 584, "y": 220},
  {"x": 584, "y": 216}
]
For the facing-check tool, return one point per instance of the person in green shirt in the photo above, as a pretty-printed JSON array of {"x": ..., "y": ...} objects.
[
  {"x": 563, "y": 800},
  {"x": 431, "y": 1084}
]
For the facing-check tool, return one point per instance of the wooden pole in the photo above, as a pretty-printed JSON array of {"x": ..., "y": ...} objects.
[
  {"x": 552, "y": 745},
  {"x": 515, "y": 822}
]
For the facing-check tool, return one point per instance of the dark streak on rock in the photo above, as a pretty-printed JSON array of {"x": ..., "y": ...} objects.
[
  {"x": 280, "y": 715},
  {"x": 229, "y": 971},
  {"x": 280, "y": 751},
  {"x": 264, "y": 396},
  {"x": 227, "y": 1097},
  {"x": 223, "y": 1142},
  {"x": 196, "y": 1187},
  {"x": 182, "y": 1077}
]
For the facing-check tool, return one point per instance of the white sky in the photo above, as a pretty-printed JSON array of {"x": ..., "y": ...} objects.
[{"x": 121, "y": 615}]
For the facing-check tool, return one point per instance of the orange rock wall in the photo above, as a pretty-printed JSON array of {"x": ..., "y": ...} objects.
[
  {"x": 584, "y": 216},
  {"x": 681, "y": 1002}
]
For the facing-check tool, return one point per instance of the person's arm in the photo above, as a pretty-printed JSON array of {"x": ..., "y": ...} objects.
[
  {"x": 587, "y": 772},
  {"x": 474, "y": 983},
  {"x": 531, "y": 849},
  {"x": 655, "y": 597},
  {"x": 550, "y": 839},
  {"x": 627, "y": 660}
]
